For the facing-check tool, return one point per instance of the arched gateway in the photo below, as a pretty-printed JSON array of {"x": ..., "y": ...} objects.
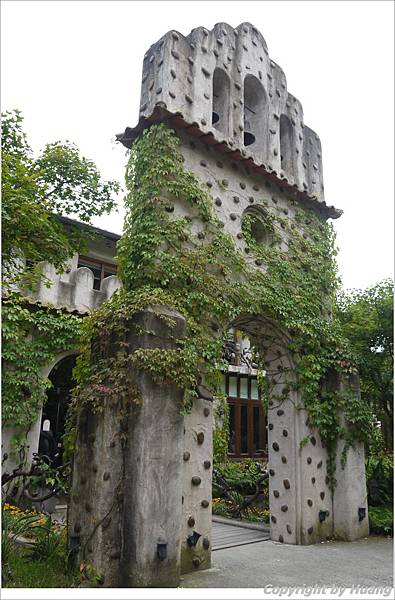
[{"x": 141, "y": 497}]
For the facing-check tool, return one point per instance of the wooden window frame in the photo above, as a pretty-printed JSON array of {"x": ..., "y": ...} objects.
[
  {"x": 238, "y": 402},
  {"x": 98, "y": 264}
]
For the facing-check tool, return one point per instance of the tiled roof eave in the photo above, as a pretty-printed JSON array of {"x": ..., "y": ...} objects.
[{"x": 212, "y": 138}]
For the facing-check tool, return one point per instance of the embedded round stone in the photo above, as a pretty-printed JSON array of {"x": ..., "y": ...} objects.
[
  {"x": 218, "y": 201},
  {"x": 258, "y": 262},
  {"x": 275, "y": 447},
  {"x": 191, "y": 522},
  {"x": 327, "y": 480},
  {"x": 225, "y": 182},
  {"x": 322, "y": 495},
  {"x": 242, "y": 185},
  {"x": 285, "y": 433},
  {"x": 284, "y": 508},
  {"x": 200, "y": 437},
  {"x": 313, "y": 480},
  {"x": 289, "y": 529},
  {"x": 280, "y": 412},
  {"x": 233, "y": 217},
  {"x": 205, "y": 503},
  {"x": 284, "y": 459},
  {"x": 196, "y": 480},
  {"x": 106, "y": 476},
  {"x": 273, "y": 519},
  {"x": 319, "y": 465},
  {"x": 280, "y": 538},
  {"x": 313, "y": 440},
  {"x": 271, "y": 426},
  {"x": 276, "y": 493},
  {"x": 206, "y": 411},
  {"x": 286, "y": 484},
  {"x": 310, "y": 502},
  {"x": 196, "y": 562},
  {"x": 186, "y": 456},
  {"x": 236, "y": 199},
  {"x": 271, "y": 472},
  {"x": 206, "y": 543},
  {"x": 239, "y": 236},
  {"x": 310, "y": 530},
  {"x": 207, "y": 464},
  {"x": 309, "y": 460}
]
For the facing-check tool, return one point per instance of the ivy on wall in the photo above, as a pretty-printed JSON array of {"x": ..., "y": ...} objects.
[
  {"x": 192, "y": 265},
  {"x": 32, "y": 337}
]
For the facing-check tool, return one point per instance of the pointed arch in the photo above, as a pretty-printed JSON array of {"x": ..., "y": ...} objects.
[
  {"x": 255, "y": 114},
  {"x": 221, "y": 101}
]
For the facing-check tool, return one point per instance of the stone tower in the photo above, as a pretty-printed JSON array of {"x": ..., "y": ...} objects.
[{"x": 243, "y": 136}]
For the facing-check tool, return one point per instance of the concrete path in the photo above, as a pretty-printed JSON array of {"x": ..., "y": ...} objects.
[{"x": 365, "y": 562}]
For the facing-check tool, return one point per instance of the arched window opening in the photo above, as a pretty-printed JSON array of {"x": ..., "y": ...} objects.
[
  {"x": 255, "y": 113},
  {"x": 286, "y": 144},
  {"x": 221, "y": 93},
  {"x": 55, "y": 411}
]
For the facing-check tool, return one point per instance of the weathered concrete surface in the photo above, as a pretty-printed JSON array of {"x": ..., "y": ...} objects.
[
  {"x": 127, "y": 478},
  {"x": 367, "y": 562},
  {"x": 196, "y": 507},
  {"x": 228, "y": 71}
]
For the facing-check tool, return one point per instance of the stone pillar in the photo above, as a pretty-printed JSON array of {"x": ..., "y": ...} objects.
[
  {"x": 350, "y": 503},
  {"x": 196, "y": 514},
  {"x": 299, "y": 494},
  {"x": 126, "y": 501}
]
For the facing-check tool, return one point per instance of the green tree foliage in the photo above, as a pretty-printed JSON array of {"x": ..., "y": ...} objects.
[
  {"x": 367, "y": 321},
  {"x": 37, "y": 189}
]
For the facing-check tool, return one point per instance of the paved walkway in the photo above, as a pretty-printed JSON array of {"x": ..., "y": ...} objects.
[{"x": 365, "y": 562}]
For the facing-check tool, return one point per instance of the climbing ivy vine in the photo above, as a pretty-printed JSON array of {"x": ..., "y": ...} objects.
[
  {"x": 32, "y": 336},
  {"x": 187, "y": 261}
]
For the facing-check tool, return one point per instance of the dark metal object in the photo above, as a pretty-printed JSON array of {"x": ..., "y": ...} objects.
[
  {"x": 161, "y": 550},
  {"x": 322, "y": 515},
  {"x": 193, "y": 539},
  {"x": 361, "y": 514}
]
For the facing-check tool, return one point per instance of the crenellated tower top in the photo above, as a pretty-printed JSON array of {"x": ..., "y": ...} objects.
[{"x": 222, "y": 87}]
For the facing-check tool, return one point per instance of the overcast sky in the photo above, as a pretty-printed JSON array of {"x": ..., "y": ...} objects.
[{"x": 74, "y": 69}]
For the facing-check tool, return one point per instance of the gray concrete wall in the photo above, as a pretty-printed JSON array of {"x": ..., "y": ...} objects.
[
  {"x": 197, "y": 480},
  {"x": 128, "y": 474}
]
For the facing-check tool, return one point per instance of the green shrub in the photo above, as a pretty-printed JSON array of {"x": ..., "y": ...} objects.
[
  {"x": 379, "y": 480},
  {"x": 240, "y": 476},
  {"x": 381, "y": 520}
]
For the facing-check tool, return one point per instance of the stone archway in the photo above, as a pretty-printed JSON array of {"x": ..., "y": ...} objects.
[{"x": 299, "y": 493}]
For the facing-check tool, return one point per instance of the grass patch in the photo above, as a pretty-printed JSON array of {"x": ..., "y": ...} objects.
[{"x": 21, "y": 571}]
